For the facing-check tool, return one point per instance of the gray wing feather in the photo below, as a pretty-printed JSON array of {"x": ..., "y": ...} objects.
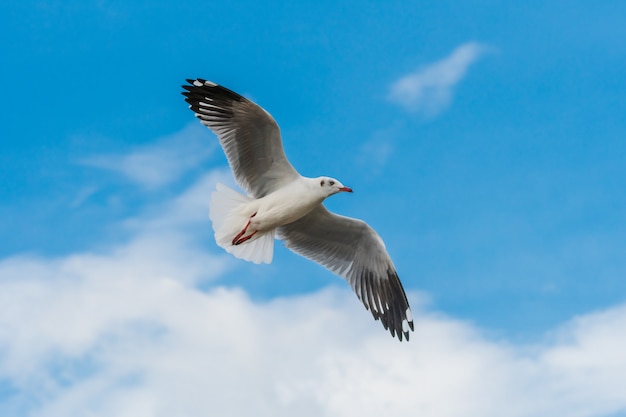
[
  {"x": 354, "y": 251},
  {"x": 249, "y": 135}
]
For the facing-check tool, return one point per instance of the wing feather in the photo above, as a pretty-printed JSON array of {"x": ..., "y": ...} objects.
[
  {"x": 249, "y": 135},
  {"x": 354, "y": 251}
]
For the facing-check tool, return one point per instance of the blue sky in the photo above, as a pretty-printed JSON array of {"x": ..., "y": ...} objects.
[{"x": 484, "y": 142}]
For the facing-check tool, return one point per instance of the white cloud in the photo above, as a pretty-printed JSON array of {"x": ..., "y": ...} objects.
[
  {"x": 159, "y": 164},
  {"x": 108, "y": 335},
  {"x": 429, "y": 90}
]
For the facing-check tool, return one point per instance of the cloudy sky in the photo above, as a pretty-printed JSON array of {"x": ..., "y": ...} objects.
[{"x": 484, "y": 142}]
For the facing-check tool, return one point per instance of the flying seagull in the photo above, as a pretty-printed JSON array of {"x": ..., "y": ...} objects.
[{"x": 282, "y": 202}]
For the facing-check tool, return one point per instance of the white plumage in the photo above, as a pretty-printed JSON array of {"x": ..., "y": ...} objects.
[{"x": 282, "y": 202}]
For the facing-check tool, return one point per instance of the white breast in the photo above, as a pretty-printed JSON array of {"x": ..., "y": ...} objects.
[{"x": 285, "y": 205}]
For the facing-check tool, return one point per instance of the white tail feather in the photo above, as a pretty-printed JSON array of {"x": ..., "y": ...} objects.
[{"x": 227, "y": 213}]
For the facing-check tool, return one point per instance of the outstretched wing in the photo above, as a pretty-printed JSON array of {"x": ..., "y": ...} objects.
[
  {"x": 249, "y": 135},
  {"x": 354, "y": 251}
]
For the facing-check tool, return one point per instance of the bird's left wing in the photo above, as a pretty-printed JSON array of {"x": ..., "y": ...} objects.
[
  {"x": 249, "y": 135},
  {"x": 354, "y": 251}
]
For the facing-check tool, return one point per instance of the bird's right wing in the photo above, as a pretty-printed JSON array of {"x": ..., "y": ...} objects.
[
  {"x": 354, "y": 251},
  {"x": 249, "y": 135}
]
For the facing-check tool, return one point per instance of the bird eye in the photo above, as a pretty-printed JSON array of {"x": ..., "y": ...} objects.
[
  {"x": 322, "y": 183},
  {"x": 331, "y": 182}
]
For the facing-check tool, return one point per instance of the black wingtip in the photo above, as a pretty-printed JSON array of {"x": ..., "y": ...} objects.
[
  {"x": 208, "y": 88},
  {"x": 395, "y": 311}
]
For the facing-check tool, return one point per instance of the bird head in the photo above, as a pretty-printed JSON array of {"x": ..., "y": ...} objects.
[{"x": 330, "y": 186}]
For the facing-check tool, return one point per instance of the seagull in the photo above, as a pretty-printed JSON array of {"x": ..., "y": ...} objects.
[{"x": 281, "y": 203}]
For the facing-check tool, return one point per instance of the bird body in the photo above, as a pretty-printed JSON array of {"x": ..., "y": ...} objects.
[
  {"x": 285, "y": 205},
  {"x": 246, "y": 219},
  {"x": 282, "y": 203}
]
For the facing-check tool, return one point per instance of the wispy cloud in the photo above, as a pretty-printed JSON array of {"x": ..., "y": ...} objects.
[
  {"x": 429, "y": 89},
  {"x": 374, "y": 153},
  {"x": 159, "y": 164},
  {"x": 107, "y": 335}
]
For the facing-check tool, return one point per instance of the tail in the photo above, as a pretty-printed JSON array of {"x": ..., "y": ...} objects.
[{"x": 228, "y": 217}]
